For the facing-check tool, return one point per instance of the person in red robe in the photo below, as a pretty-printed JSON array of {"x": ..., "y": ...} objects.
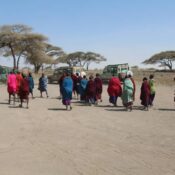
[
  {"x": 24, "y": 91},
  {"x": 74, "y": 79},
  {"x": 145, "y": 93},
  {"x": 114, "y": 90},
  {"x": 11, "y": 86},
  {"x": 18, "y": 81},
  {"x": 90, "y": 91},
  {"x": 98, "y": 88}
]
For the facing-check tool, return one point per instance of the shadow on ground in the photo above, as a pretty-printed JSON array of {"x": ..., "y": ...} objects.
[
  {"x": 166, "y": 109},
  {"x": 57, "y": 109}
]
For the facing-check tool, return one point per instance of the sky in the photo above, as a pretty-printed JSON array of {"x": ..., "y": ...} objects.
[{"x": 123, "y": 31}]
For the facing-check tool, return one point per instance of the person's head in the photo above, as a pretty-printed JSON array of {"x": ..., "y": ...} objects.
[
  {"x": 151, "y": 76},
  {"x": 77, "y": 74},
  {"x": 42, "y": 75},
  {"x": 23, "y": 75},
  {"x": 91, "y": 77},
  {"x": 145, "y": 79},
  {"x": 97, "y": 74},
  {"x": 84, "y": 76},
  {"x": 82, "y": 73},
  {"x": 67, "y": 73},
  {"x": 12, "y": 71},
  {"x": 64, "y": 73},
  {"x": 129, "y": 74},
  {"x": 30, "y": 74}
]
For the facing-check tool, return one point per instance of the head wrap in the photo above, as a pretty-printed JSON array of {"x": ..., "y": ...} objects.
[{"x": 129, "y": 73}]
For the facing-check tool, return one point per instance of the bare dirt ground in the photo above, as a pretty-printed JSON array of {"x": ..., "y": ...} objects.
[{"x": 47, "y": 140}]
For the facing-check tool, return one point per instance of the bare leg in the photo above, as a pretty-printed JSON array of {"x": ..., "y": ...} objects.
[
  {"x": 41, "y": 94},
  {"x": 70, "y": 107},
  {"x": 32, "y": 95},
  {"x": 47, "y": 94},
  {"x": 21, "y": 100},
  {"x": 9, "y": 98},
  {"x": 14, "y": 99},
  {"x": 27, "y": 103}
]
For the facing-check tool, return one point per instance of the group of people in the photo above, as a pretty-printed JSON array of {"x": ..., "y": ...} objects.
[
  {"x": 148, "y": 92},
  {"x": 21, "y": 85},
  {"x": 88, "y": 90},
  {"x": 127, "y": 93}
]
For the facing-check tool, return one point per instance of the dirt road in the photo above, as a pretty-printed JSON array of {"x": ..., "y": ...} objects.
[{"x": 47, "y": 140}]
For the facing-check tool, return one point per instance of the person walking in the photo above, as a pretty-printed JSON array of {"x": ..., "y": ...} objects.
[
  {"x": 145, "y": 93},
  {"x": 128, "y": 91},
  {"x": 67, "y": 88},
  {"x": 114, "y": 90},
  {"x": 11, "y": 86},
  {"x": 152, "y": 89},
  {"x": 24, "y": 91},
  {"x": 98, "y": 88},
  {"x": 31, "y": 84}
]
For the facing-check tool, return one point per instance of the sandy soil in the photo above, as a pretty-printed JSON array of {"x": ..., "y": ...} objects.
[{"x": 47, "y": 140}]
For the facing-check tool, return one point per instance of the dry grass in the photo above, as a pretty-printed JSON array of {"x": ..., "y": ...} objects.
[{"x": 163, "y": 78}]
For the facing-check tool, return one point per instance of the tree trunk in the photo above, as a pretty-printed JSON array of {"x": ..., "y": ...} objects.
[
  {"x": 87, "y": 66},
  {"x": 13, "y": 55},
  {"x": 167, "y": 63},
  {"x": 37, "y": 68},
  {"x": 169, "y": 66},
  {"x": 17, "y": 65}
]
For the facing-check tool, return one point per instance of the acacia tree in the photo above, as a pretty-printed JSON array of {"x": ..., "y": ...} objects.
[
  {"x": 37, "y": 58},
  {"x": 164, "y": 59},
  {"x": 15, "y": 41},
  {"x": 90, "y": 57},
  {"x": 81, "y": 59},
  {"x": 55, "y": 52}
]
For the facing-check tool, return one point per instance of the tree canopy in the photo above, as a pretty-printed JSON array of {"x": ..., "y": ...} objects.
[
  {"x": 163, "y": 58},
  {"x": 81, "y": 58},
  {"x": 18, "y": 41}
]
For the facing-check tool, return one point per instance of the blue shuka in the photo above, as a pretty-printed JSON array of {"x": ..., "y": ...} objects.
[
  {"x": 83, "y": 85},
  {"x": 43, "y": 84},
  {"x": 67, "y": 87},
  {"x": 31, "y": 84}
]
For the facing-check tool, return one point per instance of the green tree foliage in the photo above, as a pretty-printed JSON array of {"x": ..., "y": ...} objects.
[
  {"x": 164, "y": 59},
  {"x": 54, "y": 51},
  {"x": 18, "y": 41},
  {"x": 81, "y": 59}
]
